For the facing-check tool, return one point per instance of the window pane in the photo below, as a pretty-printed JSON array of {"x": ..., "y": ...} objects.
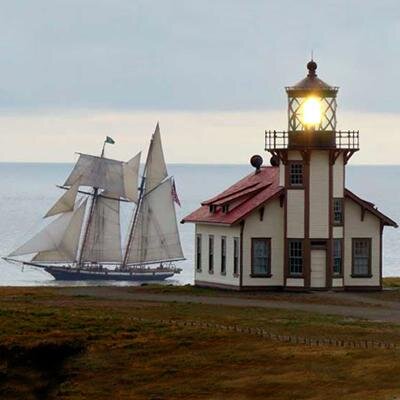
[
  {"x": 296, "y": 257},
  {"x": 223, "y": 254},
  {"x": 338, "y": 211},
  {"x": 337, "y": 256},
  {"x": 211, "y": 253},
  {"x": 198, "y": 252},
  {"x": 296, "y": 174},
  {"x": 361, "y": 256},
  {"x": 260, "y": 256},
  {"x": 235, "y": 255}
]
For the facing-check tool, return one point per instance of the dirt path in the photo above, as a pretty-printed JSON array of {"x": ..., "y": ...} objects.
[
  {"x": 386, "y": 312},
  {"x": 360, "y": 298}
]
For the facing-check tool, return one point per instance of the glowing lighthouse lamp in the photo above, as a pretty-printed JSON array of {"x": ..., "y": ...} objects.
[{"x": 311, "y": 113}]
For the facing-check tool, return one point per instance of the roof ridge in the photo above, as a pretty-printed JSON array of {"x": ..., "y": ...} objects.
[
  {"x": 278, "y": 190},
  {"x": 239, "y": 193},
  {"x": 226, "y": 193}
]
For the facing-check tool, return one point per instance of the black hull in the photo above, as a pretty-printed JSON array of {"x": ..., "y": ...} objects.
[{"x": 66, "y": 274}]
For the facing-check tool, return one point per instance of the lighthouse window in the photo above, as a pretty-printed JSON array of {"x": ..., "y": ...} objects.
[
  {"x": 295, "y": 257},
  {"x": 337, "y": 256},
  {"x": 210, "y": 253},
  {"x": 338, "y": 211},
  {"x": 198, "y": 253},
  {"x": 260, "y": 256},
  {"x": 296, "y": 174},
  {"x": 361, "y": 257},
  {"x": 223, "y": 255}
]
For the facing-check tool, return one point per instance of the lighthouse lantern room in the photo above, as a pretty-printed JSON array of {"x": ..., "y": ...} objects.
[{"x": 294, "y": 224}]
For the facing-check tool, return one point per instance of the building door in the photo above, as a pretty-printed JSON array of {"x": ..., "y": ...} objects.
[{"x": 318, "y": 268}]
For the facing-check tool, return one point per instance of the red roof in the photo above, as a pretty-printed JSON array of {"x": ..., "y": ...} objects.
[
  {"x": 242, "y": 198},
  {"x": 252, "y": 192}
]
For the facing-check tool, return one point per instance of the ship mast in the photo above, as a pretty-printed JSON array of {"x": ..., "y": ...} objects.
[
  {"x": 91, "y": 212},
  {"x": 153, "y": 235},
  {"x": 136, "y": 214}
]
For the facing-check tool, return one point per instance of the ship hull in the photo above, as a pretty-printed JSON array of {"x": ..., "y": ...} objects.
[{"x": 64, "y": 274}]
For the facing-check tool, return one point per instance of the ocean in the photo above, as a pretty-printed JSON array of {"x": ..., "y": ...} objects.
[{"x": 29, "y": 189}]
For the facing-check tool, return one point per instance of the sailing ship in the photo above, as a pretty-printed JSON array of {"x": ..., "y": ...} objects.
[{"x": 82, "y": 239}]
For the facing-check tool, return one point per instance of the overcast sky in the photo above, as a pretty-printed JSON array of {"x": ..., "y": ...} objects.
[{"x": 74, "y": 70}]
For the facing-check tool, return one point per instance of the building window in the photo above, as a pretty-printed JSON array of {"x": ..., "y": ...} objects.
[
  {"x": 260, "y": 256},
  {"x": 236, "y": 256},
  {"x": 198, "y": 252},
  {"x": 338, "y": 211},
  {"x": 223, "y": 255},
  {"x": 337, "y": 256},
  {"x": 213, "y": 208},
  {"x": 295, "y": 249},
  {"x": 210, "y": 253},
  {"x": 225, "y": 208},
  {"x": 361, "y": 265},
  {"x": 296, "y": 174}
]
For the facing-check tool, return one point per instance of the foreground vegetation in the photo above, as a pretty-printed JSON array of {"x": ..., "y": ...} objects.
[
  {"x": 392, "y": 282},
  {"x": 55, "y": 344}
]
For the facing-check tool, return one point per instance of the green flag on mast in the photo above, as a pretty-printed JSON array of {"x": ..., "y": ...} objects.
[{"x": 109, "y": 140}]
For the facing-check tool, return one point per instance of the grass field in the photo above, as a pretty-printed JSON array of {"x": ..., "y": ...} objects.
[{"x": 54, "y": 345}]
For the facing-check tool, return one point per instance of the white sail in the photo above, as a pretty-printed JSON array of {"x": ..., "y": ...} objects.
[
  {"x": 60, "y": 238},
  {"x": 51, "y": 256},
  {"x": 65, "y": 203},
  {"x": 131, "y": 173},
  {"x": 104, "y": 173},
  {"x": 103, "y": 243},
  {"x": 156, "y": 169},
  {"x": 156, "y": 236}
]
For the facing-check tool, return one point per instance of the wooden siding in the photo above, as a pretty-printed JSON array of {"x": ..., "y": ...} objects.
[
  {"x": 270, "y": 227},
  {"x": 356, "y": 228},
  {"x": 337, "y": 232},
  {"x": 319, "y": 194},
  {"x": 295, "y": 214},
  {"x": 295, "y": 155},
  {"x": 217, "y": 231},
  {"x": 282, "y": 172},
  {"x": 338, "y": 177},
  {"x": 337, "y": 282},
  {"x": 294, "y": 282}
]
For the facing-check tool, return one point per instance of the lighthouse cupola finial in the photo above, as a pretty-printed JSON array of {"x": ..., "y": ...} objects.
[{"x": 312, "y": 67}]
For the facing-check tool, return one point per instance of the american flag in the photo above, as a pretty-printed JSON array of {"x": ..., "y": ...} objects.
[{"x": 175, "y": 194}]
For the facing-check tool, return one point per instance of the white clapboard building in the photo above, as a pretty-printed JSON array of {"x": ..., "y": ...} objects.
[{"x": 294, "y": 224}]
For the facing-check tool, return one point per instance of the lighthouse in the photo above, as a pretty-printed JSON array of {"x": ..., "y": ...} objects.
[{"x": 294, "y": 224}]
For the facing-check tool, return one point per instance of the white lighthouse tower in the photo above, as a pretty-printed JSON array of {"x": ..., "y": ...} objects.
[{"x": 312, "y": 156}]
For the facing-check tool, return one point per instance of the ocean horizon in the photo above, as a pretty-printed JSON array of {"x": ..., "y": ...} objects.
[{"x": 29, "y": 190}]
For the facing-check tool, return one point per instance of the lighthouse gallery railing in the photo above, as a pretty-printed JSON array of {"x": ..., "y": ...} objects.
[{"x": 275, "y": 140}]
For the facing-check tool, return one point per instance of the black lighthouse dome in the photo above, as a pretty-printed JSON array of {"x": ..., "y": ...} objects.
[{"x": 311, "y": 82}]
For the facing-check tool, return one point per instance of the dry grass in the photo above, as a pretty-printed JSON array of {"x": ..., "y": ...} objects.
[
  {"x": 391, "y": 290},
  {"x": 392, "y": 282},
  {"x": 308, "y": 297},
  {"x": 57, "y": 346}
]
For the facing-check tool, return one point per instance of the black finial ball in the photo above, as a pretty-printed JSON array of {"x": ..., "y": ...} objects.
[
  {"x": 274, "y": 161},
  {"x": 256, "y": 161},
  {"x": 312, "y": 66}
]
